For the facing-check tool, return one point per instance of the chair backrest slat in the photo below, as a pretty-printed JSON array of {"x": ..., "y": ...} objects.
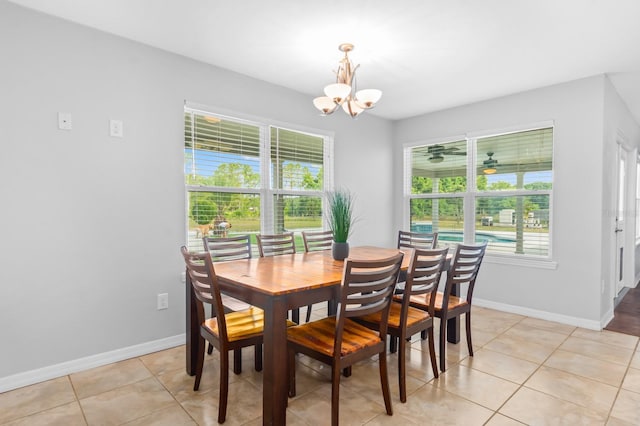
[{"x": 276, "y": 244}]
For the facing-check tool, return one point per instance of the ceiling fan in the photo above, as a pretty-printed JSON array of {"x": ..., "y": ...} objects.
[
  {"x": 490, "y": 165},
  {"x": 437, "y": 152}
]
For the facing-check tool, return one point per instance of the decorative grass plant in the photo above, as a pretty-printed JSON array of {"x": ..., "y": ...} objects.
[{"x": 340, "y": 214}]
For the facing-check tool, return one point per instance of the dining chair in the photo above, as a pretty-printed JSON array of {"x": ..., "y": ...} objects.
[
  {"x": 316, "y": 241},
  {"x": 226, "y": 332},
  {"x": 450, "y": 303},
  {"x": 275, "y": 245},
  {"x": 339, "y": 341},
  {"x": 419, "y": 240},
  {"x": 222, "y": 249},
  {"x": 423, "y": 276}
]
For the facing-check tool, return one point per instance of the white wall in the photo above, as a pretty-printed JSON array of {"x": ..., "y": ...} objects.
[
  {"x": 571, "y": 292},
  {"x": 91, "y": 225}
]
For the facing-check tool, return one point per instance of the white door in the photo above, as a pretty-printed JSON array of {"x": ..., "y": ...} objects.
[{"x": 623, "y": 270}]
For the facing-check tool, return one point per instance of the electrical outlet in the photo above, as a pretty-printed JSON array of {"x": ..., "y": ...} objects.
[
  {"x": 183, "y": 277},
  {"x": 163, "y": 301}
]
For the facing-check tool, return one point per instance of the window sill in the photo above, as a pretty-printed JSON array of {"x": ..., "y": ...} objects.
[{"x": 526, "y": 261}]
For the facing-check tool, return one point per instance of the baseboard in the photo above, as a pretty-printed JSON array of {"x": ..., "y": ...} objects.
[
  {"x": 544, "y": 315},
  {"x": 607, "y": 318},
  {"x": 58, "y": 370}
]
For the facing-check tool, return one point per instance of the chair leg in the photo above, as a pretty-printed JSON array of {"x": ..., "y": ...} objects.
[
  {"x": 443, "y": 343},
  {"x": 335, "y": 395},
  {"x": 292, "y": 372},
  {"x": 308, "y": 317},
  {"x": 224, "y": 386},
  {"x": 258, "y": 357},
  {"x": 432, "y": 354},
  {"x": 199, "y": 362},
  {"x": 210, "y": 348},
  {"x": 295, "y": 315},
  {"x": 346, "y": 372},
  {"x": 393, "y": 344},
  {"x": 402, "y": 378},
  {"x": 467, "y": 317},
  {"x": 237, "y": 361},
  {"x": 384, "y": 381}
]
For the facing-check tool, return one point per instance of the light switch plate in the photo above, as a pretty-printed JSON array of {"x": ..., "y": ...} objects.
[
  {"x": 64, "y": 121},
  {"x": 116, "y": 128}
]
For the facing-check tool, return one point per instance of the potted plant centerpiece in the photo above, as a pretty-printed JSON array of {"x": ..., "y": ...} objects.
[{"x": 341, "y": 221}]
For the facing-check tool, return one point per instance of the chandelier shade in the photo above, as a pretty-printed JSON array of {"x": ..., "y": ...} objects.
[
  {"x": 352, "y": 108},
  {"x": 343, "y": 91},
  {"x": 338, "y": 92},
  {"x": 368, "y": 97},
  {"x": 325, "y": 104}
]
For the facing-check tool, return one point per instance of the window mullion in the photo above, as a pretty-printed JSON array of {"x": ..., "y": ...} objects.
[
  {"x": 266, "y": 193},
  {"x": 469, "y": 195}
]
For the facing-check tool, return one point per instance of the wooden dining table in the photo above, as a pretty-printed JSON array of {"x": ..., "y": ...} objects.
[{"x": 277, "y": 284}]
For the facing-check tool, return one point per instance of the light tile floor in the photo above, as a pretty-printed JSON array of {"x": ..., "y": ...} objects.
[{"x": 525, "y": 371}]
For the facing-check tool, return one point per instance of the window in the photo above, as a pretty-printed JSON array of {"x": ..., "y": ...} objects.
[
  {"x": 493, "y": 188},
  {"x": 248, "y": 177}
]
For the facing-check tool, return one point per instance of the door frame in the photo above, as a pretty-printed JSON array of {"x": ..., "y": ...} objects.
[{"x": 628, "y": 217}]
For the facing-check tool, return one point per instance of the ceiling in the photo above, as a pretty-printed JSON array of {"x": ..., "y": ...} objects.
[{"x": 425, "y": 55}]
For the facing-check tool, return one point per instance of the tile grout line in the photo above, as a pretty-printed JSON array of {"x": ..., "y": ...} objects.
[
  {"x": 75, "y": 393},
  {"x": 522, "y": 385}
]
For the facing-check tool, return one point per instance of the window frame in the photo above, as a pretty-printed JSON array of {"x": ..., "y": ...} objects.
[
  {"x": 471, "y": 194},
  {"x": 266, "y": 192}
]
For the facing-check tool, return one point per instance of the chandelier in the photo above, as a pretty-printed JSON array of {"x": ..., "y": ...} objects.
[{"x": 343, "y": 91}]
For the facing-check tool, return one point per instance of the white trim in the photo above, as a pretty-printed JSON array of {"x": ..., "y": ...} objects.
[
  {"x": 607, "y": 317},
  {"x": 511, "y": 129},
  {"x": 434, "y": 141},
  {"x": 544, "y": 315},
  {"x": 58, "y": 370},
  {"x": 255, "y": 119}
]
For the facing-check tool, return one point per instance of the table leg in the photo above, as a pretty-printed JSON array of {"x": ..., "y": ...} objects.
[
  {"x": 192, "y": 331},
  {"x": 453, "y": 330},
  {"x": 453, "y": 324},
  {"x": 275, "y": 380}
]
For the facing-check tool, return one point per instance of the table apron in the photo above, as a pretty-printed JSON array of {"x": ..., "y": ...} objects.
[{"x": 292, "y": 300}]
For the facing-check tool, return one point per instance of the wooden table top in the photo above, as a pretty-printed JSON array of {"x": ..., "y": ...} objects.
[{"x": 278, "y": 275}]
